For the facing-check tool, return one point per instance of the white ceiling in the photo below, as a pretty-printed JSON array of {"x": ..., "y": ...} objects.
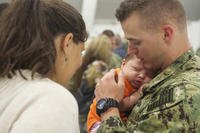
[{"x": 192, "y": 8}]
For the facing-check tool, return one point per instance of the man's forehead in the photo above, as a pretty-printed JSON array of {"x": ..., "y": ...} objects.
[{"x": 131, "y": 34}]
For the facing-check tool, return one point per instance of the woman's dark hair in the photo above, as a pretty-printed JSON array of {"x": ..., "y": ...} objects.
[
  {"x": 3, "y": 6},
  {"x": 27, "y": 32}
]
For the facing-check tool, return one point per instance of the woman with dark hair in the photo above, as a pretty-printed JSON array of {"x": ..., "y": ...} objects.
[
  {"x": 3, "y": 6},
  {"x": 40, "y": 49}
]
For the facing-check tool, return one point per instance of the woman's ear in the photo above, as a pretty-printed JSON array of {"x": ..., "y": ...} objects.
[{"x": 68, "y": 39}]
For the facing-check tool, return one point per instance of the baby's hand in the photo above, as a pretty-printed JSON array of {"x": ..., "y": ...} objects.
[
  {"x": 140, "y": 90},
  {"x": 125, "y": 104},
  {"x": 128, "y": 102}
]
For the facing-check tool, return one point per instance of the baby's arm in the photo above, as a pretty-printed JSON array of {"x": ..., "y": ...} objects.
[{"x": 128, "y": 102}]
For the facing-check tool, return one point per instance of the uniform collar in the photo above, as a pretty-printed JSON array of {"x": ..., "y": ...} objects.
[{"x": 170, "y": 70}]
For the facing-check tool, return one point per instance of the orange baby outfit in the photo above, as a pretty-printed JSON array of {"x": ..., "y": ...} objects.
[{"x": 92, "y": 115}]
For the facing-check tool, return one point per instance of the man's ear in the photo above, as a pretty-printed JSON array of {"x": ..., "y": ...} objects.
[
  {"x": 68, "y": 39},
  {"x": 168, "y": 32}
]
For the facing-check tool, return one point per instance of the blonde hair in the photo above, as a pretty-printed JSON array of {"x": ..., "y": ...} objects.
[{"x": 98, "y": 48}]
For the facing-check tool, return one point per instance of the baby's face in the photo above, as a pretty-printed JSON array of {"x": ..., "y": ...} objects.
[{"x": 135, "y": 73}]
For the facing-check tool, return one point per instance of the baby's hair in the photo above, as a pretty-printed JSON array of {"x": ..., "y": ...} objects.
[{"x": 129, "y": 56}]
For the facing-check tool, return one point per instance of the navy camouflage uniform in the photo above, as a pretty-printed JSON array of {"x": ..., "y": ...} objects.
[{"x": 170, "y": 102}]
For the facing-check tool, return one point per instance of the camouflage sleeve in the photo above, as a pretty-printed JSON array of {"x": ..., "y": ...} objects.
[
  {"x": 112, "y": 124},
  {"x": 181, "y": 116}
]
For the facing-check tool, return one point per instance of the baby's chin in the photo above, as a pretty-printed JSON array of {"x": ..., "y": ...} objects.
[{"x": 135, "y": 84}]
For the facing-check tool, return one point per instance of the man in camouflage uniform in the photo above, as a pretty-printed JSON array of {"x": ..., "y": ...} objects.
[{"x": 156, "y": 30}]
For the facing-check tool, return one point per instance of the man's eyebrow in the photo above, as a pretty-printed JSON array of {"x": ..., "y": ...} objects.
[{"x": 133, "y": 39}]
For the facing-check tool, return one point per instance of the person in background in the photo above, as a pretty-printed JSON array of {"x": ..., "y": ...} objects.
[
  {"x": 134, "y": 77},
  {"x": 119, "y": 47},
  {"x": 111, "y": 35},
  {"x": 41, "y": 43},
  {"x": 115, "y": 60},
  {"x": 157, "y": 34},
  {"x": 95, "y": 65}
]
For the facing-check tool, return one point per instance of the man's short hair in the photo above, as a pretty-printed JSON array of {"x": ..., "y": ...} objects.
[{"x": 153, "y": 12}]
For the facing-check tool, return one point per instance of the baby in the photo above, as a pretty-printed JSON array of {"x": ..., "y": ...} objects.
[{"x": 134, "y": 77}]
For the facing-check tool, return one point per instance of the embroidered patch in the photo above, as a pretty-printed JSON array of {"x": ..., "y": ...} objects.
[{"x": 166, "y": 96}]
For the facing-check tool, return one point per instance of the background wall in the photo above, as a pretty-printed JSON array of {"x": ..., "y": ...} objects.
[{"x": 99, "y": 15}]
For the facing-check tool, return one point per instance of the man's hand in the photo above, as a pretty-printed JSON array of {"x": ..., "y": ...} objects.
[{"x": 109, "y": 87}]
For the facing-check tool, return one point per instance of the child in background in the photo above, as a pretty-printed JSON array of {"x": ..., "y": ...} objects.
[{"x": 134, "y": 77}]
